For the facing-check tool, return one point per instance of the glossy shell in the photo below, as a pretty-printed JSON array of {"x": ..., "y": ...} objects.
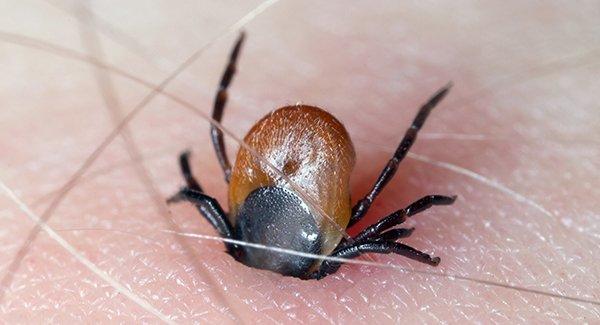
[{"x": 314, "y": 151}]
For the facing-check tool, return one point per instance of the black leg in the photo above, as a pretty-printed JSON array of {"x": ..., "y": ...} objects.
[
  {"x": 219, "y": 105},
  {"x": 361, "y": 208},
  {"x": 399, "y": 216},
  {"x": 184, "y": 164},
  {"x": 394, "y": 234},
  {"x": 380, "y": 247},
  {"x": 212, "y": 211}
]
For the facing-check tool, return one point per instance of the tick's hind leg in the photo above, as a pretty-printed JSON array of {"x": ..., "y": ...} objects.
[
  {"x": 380, "y": 238},
  {"x": 399, "y": 216},
  {"x": 380, "y": 247}
]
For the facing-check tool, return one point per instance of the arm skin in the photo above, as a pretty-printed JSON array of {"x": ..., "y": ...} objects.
[{"x": 517, "y": 140}]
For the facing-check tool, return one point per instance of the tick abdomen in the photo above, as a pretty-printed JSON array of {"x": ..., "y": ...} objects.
[{"x": 313, "y": 149}]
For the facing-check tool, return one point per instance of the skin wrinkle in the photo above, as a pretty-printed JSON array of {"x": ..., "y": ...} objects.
[
  {"x": 7, "y": 279},
  {"x": 105, "y": 276}
]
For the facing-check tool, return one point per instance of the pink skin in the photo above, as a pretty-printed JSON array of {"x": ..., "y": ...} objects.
[{"x": 523, "y": 115}]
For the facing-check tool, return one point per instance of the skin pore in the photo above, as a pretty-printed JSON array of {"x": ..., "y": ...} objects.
[{"x": 516, "y": 139}]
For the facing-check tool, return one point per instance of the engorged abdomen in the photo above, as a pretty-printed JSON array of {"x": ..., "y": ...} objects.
[{"x": 314, "y": 152}]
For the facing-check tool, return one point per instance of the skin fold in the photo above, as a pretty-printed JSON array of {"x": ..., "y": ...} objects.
[{"x": 517, "y": 139}]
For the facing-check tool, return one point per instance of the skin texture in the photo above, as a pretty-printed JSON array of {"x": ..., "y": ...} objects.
[{"x": 516, "y": 139}]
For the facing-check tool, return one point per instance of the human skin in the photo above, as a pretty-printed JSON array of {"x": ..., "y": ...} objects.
[{"x": 517, "y": 139}]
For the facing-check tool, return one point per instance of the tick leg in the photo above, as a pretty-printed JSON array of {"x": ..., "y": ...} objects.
[
  {"x": 186, "y": 171},
  {"x": 216, "y": 134},
  {"x": 380, "y": 247},
  {"x": 361, "y": 208},
  {"x": 184, "y": 164},
  {"x": 394, "y": 234},
  {"x": 399, "y": 216},
  {"x": 212, "y": 211}
]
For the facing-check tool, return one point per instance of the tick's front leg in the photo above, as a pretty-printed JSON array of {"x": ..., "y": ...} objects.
[{"x": 206, "y": 205}]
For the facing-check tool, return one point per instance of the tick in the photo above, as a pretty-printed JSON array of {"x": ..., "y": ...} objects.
[{"x": 314, "y": 151}]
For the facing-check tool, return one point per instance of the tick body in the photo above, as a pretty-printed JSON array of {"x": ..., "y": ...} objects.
[{"x": 313, "y": 151}]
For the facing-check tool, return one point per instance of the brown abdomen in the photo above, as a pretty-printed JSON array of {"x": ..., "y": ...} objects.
[{"x": 315, "y": 153}]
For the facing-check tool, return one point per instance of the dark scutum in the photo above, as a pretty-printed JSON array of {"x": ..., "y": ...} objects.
[{"x": 275, "y": 216}]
